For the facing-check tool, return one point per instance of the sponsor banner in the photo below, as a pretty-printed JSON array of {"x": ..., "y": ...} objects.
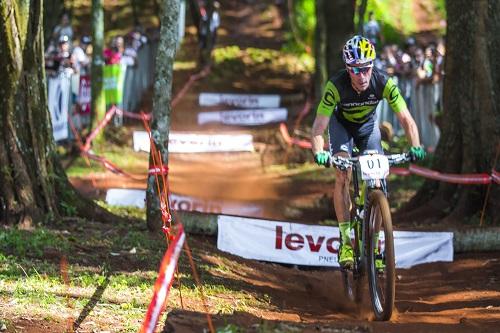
[
  {"x": 240, "y": 100},
  {"x": 314, "y": 245},
  {"x": 198, "y": 143},
  {"x": 244, "y": 117},
  {"x": 126, "y": 197},
  {"x": 113, "y": 78},
  {"x": 84, "y": 94},
  {"x": 137, "y": 198},
  {"x": 59, "y": 89}
]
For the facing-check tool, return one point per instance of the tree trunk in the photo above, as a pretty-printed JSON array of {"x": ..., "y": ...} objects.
[
  {"x": 34, "y": 187},
  {"x": 339, "y": 18},
  {"x": 471, "y": 125},
  {"x": 320, "y": 72},
  {"x": 194, "y": 9},
  {"x": 361, "y": 16},
  {"x": 98, "y": 101},
  {"x": 160, "y": 126}
]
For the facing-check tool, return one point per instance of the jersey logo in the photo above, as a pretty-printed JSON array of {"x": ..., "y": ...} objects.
[
  {"x": 329, "y": 99},
  {"x": 393, "y": 95}
]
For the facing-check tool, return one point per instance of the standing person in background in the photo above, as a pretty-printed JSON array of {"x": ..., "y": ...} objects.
[
  {"x": 207, "y": 30},
  {"x": 371, "y": 30},
  {"x": 80, "y": 55},
  {"x": 63, "y": 29},
  {"x": 215, "y": 23}
]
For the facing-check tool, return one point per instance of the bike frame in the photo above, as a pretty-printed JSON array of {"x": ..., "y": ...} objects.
[{"x": 361, "y": 191}]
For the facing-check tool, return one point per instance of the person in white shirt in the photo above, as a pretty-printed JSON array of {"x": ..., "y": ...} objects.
[{"x": 80, "y": 56}]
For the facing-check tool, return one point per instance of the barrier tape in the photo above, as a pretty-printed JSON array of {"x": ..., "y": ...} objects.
[
  {"x": 192, "y": 79},
  {"x": 99, "y": 127},
  {"x": 454, "y": 178},
  {"x": 495, "y": 175},
  {"x": 467, "y": 179},
  {"x": 133, "y": 115},
  {"x": 108, "y": 165},
  {"x": 158, "y": 171},
  {"x": 163, "y": 282}
]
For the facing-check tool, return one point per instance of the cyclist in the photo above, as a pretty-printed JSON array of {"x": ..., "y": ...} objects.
[{"x": 347, "y": 108}]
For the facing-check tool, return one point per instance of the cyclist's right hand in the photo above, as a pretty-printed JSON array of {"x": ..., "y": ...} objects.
[{"x": 321, "y": 158}]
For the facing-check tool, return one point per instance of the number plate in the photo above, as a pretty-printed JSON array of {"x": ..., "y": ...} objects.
[{"x": 374, "y": 166}]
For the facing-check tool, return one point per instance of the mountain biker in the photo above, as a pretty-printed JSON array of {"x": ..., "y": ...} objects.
[{"x": 347, "y": 108}]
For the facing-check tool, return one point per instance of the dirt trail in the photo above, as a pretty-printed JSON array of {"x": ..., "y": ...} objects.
[{"x": 462, "y": 296}]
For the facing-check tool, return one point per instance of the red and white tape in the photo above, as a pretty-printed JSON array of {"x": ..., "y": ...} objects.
[{"x": 163, "y": 282}]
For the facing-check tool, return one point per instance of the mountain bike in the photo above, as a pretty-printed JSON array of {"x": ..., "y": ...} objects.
[{"x": 373, "y": 243}]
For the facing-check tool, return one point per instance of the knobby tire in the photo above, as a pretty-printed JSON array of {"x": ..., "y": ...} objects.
[{"x": 381, "y": 284}]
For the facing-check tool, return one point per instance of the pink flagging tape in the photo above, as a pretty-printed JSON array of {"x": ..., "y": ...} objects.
[
  {"x": 163, "y": 282},
  {"x": 195, "y": 77},
  {"x": 132, "y": 115},
  {"x": 158, "y": 171},
  {"x": 100, "y": 126},
  {"x": 495, "y": 176},
  {"x": 400, "y": 171},
  {"x": 293, "y": 141},
  {"x": 466, "y": 179}
]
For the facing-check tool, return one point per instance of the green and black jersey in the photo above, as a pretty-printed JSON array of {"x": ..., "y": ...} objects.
[{"x": 348, "y": 105}]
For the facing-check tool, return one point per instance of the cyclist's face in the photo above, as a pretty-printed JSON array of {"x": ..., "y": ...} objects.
[{"x": 360, "y": 76}]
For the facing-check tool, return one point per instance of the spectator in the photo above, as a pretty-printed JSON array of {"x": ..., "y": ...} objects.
[
  {"x": 129, "y": 56},
  {"x": 63, "y": 28},
  {"x": 208, "y": 27},
  {"x": 137, "y": 37},
  {"x": 81, "y": 55},
  {"x": 113, "y": 54},
  {"x": 64, "y": 55},
  {"x": 215, "y": 22},
  {"x": 58, "y": 59},
  {"x": 371, "y": 30}
]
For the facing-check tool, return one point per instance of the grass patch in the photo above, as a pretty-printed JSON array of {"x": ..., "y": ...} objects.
[
  {"x": 232, "y": 57},
  {"x": 113, "y": 284},
  {"x": 123, "y": 157}
]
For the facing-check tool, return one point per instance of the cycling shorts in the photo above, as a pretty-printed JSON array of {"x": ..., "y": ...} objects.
[{"x": 343, "y": 135}]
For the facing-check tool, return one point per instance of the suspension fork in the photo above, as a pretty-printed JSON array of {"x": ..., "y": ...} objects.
[{"x": 359, "y": 203}]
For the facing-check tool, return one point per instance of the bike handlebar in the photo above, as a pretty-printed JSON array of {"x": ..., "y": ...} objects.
[{"x": 343, "y": 163}]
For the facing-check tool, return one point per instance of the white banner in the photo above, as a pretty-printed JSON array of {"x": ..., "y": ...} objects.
[
  {"x": 244, "y": 117},
  {"x": 198, "y": 143},
  {"x": 314, "y": 245},
  {"x": 240, "y": 100},
  {"x": 137, "y": 198},
  {"x": 59, "y": 89}
]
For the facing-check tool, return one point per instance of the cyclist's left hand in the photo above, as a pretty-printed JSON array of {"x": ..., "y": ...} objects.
[
  {"x": 417, "y": 153},
  {"x": 321, "y": 158}
]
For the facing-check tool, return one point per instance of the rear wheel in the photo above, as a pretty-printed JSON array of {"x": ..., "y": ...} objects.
[{"x": 380, "y": 255}]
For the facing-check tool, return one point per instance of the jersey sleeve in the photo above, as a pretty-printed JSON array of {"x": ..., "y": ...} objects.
[
  {"x": 393, "y": 96},
  {"x": 329, "y": 100}
]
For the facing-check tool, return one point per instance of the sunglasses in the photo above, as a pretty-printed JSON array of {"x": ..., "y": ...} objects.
[{"x": 358, "y": 70}]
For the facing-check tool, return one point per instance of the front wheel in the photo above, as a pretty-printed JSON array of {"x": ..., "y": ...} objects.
[{"x": 380, "y": 255}]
